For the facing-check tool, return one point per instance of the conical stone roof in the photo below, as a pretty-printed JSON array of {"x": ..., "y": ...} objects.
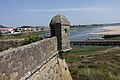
[{"x": 61, "y": 19}]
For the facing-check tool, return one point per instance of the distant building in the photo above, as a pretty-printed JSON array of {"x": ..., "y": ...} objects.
[
  {"x": 6, "y": 30},
  {"x": 31, "y": 28}
]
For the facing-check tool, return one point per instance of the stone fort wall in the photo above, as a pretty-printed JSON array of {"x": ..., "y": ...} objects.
[
  {"x": 7, "y": 44},
  {"x": 35, "y": 61}
]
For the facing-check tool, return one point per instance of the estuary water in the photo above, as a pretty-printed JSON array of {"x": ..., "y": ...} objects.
[{"x": 83, "y": 33}]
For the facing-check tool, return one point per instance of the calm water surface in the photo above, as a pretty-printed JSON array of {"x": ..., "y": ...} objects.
[{"x": 83, "y": 33}]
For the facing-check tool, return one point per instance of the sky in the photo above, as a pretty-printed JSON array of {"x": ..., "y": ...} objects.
[{"x": 16, "y": 13}]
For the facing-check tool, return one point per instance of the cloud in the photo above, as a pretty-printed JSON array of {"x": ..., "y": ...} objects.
[{"x": 90, "y": 9}]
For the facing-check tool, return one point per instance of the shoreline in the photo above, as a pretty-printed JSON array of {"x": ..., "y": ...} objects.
[{"x": 109, "y": 30}]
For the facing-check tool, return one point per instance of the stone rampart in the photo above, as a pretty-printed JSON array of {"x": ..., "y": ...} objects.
[
  {"x": 42, "y": 60},
  {"x": 22, "y": 62},
  {"x": 7, "y": 44},
  {"x": 54, "y": 69}
]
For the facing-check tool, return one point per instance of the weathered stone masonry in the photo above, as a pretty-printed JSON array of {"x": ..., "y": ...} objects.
[
  {"x": 36, "y": 61},
  {"x": 23, "y": 61},
  {"x": 60, "y": 27},
  {"x": 7, "y": 44}
]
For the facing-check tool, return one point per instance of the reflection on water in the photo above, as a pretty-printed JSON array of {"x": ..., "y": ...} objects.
[{"x": 83, "y": 33}]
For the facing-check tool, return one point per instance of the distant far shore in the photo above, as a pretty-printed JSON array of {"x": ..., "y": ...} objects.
[{"x": 109, "y": 30}]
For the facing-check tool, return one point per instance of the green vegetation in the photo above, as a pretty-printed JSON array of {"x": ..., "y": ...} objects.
[
  {"x": 1, "y": 34},
  {"x": 83, "y": 50},
  {"x": 20, "y": 35},
  {"x": 112, "y": 37},
  {"x": 94, "y": 63},
  {"x": 31, "y": 39}
]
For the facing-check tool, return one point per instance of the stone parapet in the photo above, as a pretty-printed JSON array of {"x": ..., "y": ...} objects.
[{"x": 20, "y": 63}]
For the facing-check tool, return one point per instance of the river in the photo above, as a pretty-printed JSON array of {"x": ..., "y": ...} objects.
[{"x": 83, "y": 33}]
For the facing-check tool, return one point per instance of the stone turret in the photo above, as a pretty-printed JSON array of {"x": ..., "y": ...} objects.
[{"x": 60, "y": 27}]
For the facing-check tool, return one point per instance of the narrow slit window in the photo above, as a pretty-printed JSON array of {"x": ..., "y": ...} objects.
[{"x": 65, "y": 30}]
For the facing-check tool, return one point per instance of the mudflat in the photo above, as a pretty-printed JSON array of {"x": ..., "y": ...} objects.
[{"x": 109, "y": 30}]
